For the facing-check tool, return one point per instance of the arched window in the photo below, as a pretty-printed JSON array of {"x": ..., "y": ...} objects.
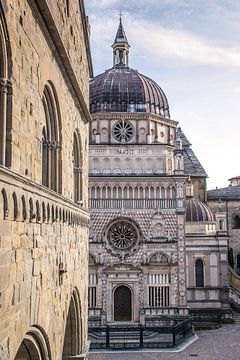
[
  {"x": 5, "y": 204},
  {"x": 77, "y": 167},
  {"x": 5, "y": 93},
  {"x": 15, "y": 206},
  {"x": 236, "y": 222},
  {"x": 31, "y": 215},
  {"x": 51, "y": 141},
  {"x": 24, "y": 210},
  {"x": 199, "y": 273}
]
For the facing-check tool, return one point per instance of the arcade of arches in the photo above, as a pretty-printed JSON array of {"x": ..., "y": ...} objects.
[{"x": 44, "y": 221}]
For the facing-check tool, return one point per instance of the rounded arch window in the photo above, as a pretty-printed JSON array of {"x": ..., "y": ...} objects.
[
  {"x": 123, "y": 131},
  {"x": 199, "y": 273}
]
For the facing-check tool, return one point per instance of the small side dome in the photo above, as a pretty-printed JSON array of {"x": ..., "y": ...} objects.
[{"x": 196, "y": 211}]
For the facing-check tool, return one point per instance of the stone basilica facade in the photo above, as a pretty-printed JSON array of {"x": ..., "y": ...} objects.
[{"x": 156, "y": 251}]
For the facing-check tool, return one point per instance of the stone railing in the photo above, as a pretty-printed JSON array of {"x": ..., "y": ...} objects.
[
  {"x": 27, "y": 201},
  {"x": 132, "y": 203},
  {"x": 155, "y": 311},
  {"x": 94, "y": 311}
]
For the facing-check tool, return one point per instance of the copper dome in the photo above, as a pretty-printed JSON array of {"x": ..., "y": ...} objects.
[
  {"x": 122, "y": 89},
  {"x": 196, "y": 211}
]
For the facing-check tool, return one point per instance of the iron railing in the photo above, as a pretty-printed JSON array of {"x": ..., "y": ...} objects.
[{"x": 139, "y": 337}]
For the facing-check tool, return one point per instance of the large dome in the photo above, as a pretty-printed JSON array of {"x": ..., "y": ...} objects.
[
  {"x": 122, "y": 89},
  {"x": 196, "y": 211}
]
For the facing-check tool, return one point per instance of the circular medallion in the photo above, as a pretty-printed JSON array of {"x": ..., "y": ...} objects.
[
  {"x": 181, "y": 271},
  {"x": 122, "y": 235},
  {"x": 182, "y": 293},
  {"x": 123, "y": 131},
  {"x": 180, "y": 226}
]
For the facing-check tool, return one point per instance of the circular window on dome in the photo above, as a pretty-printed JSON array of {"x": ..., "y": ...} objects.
[
  {"x": 123, "y": 131},
  {"x": 122, "y": 235}
]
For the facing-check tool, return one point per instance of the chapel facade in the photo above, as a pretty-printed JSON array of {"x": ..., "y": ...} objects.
[
  {"x": 155, "y": 252},
  {"x": 45, "y": 66}
]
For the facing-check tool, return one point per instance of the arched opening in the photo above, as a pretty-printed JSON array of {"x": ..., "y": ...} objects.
[
  {"x": 15, "y": 206},
  {"x": 24, "y": 210},
  {"x": 236, "y": 222},
  {"x": 43, "y": 212},
  {"x": 5, "y": 93},
  {"x": 30, "y": 210},
  {"x": 199, "y": 273},
  {"x": 122, "y": 304},
  {"x": 5, "y": 204},
  {"x": 77, "y": 167},
  {"x": 51, "y": 141},
  {"x": 73, "y": 332},
  {"x": 34, "y": 346}
]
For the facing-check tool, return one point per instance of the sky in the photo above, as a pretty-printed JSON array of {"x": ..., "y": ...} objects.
[{"x": 191, "y": 48}]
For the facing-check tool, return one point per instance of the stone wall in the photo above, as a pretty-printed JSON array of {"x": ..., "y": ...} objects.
[{"x": 44, "y": 235}]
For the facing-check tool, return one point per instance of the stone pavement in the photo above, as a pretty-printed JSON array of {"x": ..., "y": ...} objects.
[{"x": 219, "y": 344}]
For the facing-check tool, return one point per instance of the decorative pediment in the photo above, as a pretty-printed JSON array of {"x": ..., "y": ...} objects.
[
  {"x": 159, "y": 258},
  {"x": 121, "y": 268}
]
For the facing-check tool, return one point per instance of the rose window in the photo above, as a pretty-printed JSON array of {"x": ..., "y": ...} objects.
[
  {"x": 123, "y": 131},
  {"x": 122, "y": 235}
]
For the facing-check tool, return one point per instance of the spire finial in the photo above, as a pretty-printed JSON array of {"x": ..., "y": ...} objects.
[
  {"x": 120, "y": 45},
  {"x": 120, "y": 14}
]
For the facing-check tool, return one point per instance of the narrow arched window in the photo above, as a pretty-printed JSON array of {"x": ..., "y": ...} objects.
[
  {"x": 51, "y": 141},
  {"x": 15, "y": 206},
  {"x": 31, "y": 215},
  {"x": 5, "y": 93},
  {"x": 24, "y": 211},
  {"x": 43, "y": 212},
  {"x": 77, "y": 168},
  {"x": 199, "y": 273},
  {"x": 38, "y": 216},
  {"x": 5, "y": 204},
  {"x": 236, "y": 222},
  {"x": 45, "y": 152}
]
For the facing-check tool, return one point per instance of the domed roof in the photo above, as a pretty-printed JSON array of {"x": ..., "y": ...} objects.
[
  {"x": 196, "y": 211},
  {"x": 122, "y": 89}
]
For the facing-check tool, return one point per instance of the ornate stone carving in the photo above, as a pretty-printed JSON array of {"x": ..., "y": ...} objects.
[
  {"x": 91, "y": 260},
  {"x": 122, "y": 237},
  {"x": 158, "y": 258}
]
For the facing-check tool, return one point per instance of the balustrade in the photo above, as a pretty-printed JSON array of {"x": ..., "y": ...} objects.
[{"x": 132, "y": 203}]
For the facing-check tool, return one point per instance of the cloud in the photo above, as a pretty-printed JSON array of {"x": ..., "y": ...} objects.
[
  {"x": 172, "y": 44},
  {"x": 177, "y": 44}
]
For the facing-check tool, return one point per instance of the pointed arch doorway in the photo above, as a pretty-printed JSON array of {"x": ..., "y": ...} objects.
[{"x": 122, "y": 303}]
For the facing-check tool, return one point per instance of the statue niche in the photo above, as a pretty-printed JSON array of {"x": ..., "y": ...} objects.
[{"x": 158, "y": 231}]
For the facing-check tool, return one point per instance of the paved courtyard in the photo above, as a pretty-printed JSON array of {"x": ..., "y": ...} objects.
[{"x": 220, "y": 344}]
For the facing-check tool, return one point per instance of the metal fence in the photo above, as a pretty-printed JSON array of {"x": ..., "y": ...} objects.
[{"x": 139, "y": 337}]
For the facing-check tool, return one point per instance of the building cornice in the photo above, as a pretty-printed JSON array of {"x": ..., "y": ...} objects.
[
  {"x": 134, "y": 116},
  {"x": 46, "y": 21}
]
